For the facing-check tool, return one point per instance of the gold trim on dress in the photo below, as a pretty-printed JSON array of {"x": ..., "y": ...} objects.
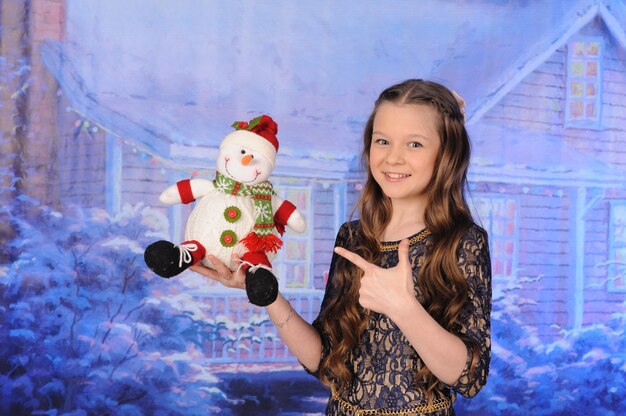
[
  {"x": 436, "y": 406},
  {"x": 394, "y": 246}
]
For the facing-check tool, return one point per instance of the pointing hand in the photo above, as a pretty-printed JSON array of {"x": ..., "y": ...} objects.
[{"x": 384, "y": 290}]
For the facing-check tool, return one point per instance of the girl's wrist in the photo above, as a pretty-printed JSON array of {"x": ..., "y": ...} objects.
[
  {"x": 281, "y": 324},
  {"x": 405, "y": 309},
  {"x": 280, "y": 311}
]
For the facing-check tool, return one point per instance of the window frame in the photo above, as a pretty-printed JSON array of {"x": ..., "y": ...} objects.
[
  {"x": 279, "y": 262},
  {"x": 488, "y": 225},
  {"x": 584, "y": 122}
]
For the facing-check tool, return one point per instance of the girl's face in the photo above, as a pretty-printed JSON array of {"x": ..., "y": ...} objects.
[{"x": 405, "y": 144}]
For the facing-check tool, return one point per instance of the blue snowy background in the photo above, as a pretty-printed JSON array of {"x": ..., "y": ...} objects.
[{"x": 105, "y": 103}]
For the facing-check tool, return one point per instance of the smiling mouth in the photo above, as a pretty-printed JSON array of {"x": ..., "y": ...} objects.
[
  {"x": 233, "y": 176},
  {"x": 395, "y": 176}
]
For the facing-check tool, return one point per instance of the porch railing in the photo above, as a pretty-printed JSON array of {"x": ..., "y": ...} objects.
[{"x": 240, "y": 332}]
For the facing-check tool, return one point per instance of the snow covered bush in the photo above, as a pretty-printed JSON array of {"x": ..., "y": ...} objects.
[
  {"x": 582, "y": 372},
  {"x": 85, "y": 326}
]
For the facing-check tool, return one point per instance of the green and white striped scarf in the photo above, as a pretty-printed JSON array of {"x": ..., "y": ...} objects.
[{"x": 261, "y": 195}]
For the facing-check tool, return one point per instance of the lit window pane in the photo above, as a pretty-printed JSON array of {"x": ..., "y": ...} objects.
[
  {"x": 509, "y": 248},
  {"x": 578, "y": 49},
  {"x": 576, "y": 109},
  {"x": 578, "y": 68},
  {"x": 592, "y": 69},
  {"x": 590, "y": 90},
  {"x": 497, "y": 267},
  {"x": 296, "y": 275},
  {"x": 576, "y": 89},
  {"x": 498, "y": 248},
  {"x": 507, "y": 268},
  {"x": 593, "y": 49},
  {"x": 590, "y": 110},
  {"x": 295, "y": 250},
  {"x": 510, "y": 208}
]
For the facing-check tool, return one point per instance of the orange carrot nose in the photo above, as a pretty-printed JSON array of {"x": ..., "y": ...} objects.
[{"x": 246, "y": 159}]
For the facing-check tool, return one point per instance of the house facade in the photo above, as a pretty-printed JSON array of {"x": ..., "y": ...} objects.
[{"x": 549, "y": 175}]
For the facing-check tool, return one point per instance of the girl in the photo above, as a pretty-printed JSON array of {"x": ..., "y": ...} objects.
[{"x": 405, "y": 320}]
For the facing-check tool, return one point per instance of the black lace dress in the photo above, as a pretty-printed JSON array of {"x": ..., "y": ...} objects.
[{"x": 384, "y": 364}]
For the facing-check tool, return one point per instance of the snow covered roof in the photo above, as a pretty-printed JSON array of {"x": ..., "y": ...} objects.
[
  {"x": 173, "y": 79},
  {"x": 186, "y": 135}
]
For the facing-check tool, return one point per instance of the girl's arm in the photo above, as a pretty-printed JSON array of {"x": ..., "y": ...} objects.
[
  {"x": 301, "y": 338},
  {"x": 443, "y": 353}
]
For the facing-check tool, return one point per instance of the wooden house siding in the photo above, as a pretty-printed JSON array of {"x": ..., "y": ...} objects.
[
  {"x": 614, "y": 107},
  {"x": 353, "y": 191},
  {"x": 536, "y": 103},
  {"x": 143, "y": 178},
  {"x": 81, "y": 163}
]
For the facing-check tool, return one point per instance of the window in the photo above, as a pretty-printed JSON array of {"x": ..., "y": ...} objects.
[
  {"x": 617, "y": 247},
  {"x": 584, "y": 81},
  {"x": 499, "y": 217},
  {"x": 292, "y": 264}
]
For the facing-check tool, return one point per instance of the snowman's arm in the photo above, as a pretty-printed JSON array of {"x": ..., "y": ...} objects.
[
  {"x": 186, "y": 191},
  {"x": 286, "y": 213}
]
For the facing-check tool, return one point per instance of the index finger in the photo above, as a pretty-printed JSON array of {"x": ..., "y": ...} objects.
[{"x": 353, "y": 258}]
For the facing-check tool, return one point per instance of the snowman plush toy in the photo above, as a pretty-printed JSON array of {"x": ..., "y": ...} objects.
[{"x": 236, "y": 213}]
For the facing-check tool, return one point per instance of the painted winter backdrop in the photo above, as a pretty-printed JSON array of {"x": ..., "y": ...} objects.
[{"x": 104, "y": 104}]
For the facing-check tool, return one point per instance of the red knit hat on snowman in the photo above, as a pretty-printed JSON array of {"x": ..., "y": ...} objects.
[{"x": 247, "y": 133}]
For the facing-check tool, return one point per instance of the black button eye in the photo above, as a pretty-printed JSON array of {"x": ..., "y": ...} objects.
[{"x": 243, "y": 152}]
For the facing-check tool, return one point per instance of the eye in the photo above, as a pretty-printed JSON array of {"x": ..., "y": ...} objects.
[
  {"x": 243, "y": 152},
  {"x": 415, "y": 145},
  {"x": 381, "y": 141}
]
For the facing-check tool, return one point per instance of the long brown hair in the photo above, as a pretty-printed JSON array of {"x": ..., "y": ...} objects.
[{"x": 442, "y": 285}]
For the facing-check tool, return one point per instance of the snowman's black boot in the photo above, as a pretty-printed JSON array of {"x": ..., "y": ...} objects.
[
  {"x": 261, "y": 287},
  {"x": 167, "y": 259}
]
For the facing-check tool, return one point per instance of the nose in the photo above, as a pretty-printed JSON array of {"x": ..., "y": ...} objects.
[
  {"x": 246, "y": 159},
  {"x": 395, "y": 155}
]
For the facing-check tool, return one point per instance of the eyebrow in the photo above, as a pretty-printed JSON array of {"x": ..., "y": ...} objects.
[{"x": 408, "y": 136}]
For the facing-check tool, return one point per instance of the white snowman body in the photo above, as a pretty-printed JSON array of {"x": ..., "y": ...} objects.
[{"x": 207, "y": 224}]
